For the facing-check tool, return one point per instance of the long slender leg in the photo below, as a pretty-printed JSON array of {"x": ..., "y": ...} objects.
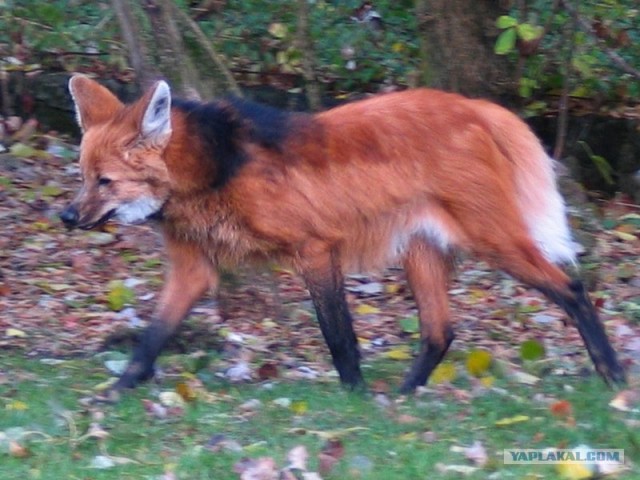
[
  {"x": 325, "y": 283},
  {"x": 525, "y": 262},
  {"x": 575, "y": 301},
  {"x": 494, "y": 228},
  {"x": 428, "y": 271},
  {"x": 190, "y": 274}
]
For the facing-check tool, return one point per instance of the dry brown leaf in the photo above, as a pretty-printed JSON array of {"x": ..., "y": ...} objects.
[{"x": 331, "y": 453}]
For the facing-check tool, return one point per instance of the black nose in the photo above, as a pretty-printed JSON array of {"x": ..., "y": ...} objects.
[{"x": 69, "y": 216}]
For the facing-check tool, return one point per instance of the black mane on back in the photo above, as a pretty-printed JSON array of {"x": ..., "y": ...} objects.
[{"x": 224, "y": 126}]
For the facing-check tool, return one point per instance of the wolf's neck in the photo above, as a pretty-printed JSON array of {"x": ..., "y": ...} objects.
[{"x": 189, "y": 164}]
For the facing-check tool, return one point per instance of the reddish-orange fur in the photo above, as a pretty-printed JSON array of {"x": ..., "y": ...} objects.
[{"x": 409, "y": 177}]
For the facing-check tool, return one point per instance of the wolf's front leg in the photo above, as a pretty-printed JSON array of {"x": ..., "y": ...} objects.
[
  {"x": 189, "y": 275},
  {"x": 323, "y": 277}
]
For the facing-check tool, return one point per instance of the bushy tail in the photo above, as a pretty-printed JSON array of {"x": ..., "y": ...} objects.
[{"x": 538, "y": 198}]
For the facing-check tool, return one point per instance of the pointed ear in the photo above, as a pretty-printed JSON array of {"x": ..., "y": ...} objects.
[
  {"x": 155, "y": 126},
  {"x": 94, "y": 103}
]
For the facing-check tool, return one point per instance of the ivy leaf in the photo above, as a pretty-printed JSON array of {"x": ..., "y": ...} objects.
[
  {"x": 278, "y": 30},
  {"x": 505, "y": 21},
  {"x": 506, "y": 42},
  {"x": 528, "y": 32}
]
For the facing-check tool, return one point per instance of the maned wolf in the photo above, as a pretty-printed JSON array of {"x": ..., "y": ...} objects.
[{"x": 410, "y": 177}]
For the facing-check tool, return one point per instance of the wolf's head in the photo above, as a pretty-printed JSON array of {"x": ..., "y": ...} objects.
[{"x": 123, "y": 173}]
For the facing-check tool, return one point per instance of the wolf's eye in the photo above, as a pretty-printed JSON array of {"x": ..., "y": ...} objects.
[{"x": 102, "y": 181}]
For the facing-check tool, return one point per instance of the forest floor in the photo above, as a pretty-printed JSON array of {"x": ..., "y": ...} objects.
[
  {"x": 64, "y": 294},
  {"x": 70, "y": 295}
]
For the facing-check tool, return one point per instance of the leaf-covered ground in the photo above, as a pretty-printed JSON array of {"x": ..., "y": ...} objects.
[
  {"x": 65, "y": 294},
  {"x": 71, "y": 295}
]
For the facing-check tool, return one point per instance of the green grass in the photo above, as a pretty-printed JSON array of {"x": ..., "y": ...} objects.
[{"x": 380, "y": 442}]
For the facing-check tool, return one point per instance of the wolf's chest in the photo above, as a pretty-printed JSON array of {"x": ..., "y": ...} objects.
[{"x": 217, "y": 230}]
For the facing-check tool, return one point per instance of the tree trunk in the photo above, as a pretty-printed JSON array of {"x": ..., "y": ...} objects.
[
  {"x": 305, "y": 45},
  {"x": 172, "y": 57},
  {"x": 457, "y": 39},
  {"x": 132, "y": 36}
]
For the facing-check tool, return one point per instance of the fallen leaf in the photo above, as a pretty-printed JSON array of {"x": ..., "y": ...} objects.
[
  {"x": 299, "y": 407},
  {"x": 531, "y": 350},
  {"x": 406, "y": 419},
  {"x": 298, "y": 457},
  {"x": 96, "y": 431},
  {"x": 524, "y": 378},
  {"x": 487, "y": 381},
  {"x": 239, "y": 372},
  {"x": 17, "y": 451},
  {"x": 445, "y": 372},
  {"x": 102, "y": 462},
  {"x": 220, "y": 442},
  {"x": 511, "y": 420},
  {"x": 100, "y": 239},
  {"x": 383, "y": 400},
  {"x": 15, "y": 333},
  {"x": 268, "y": 371},
  {"x": 380, "y": 386},
  {"x": 626, "y": 401},
  {"x": 478, "y": 362},
  {"x": 574, "y": 471},
  {"x": 477, "y": 454},
  {"x": 119, "y": 295},
  {"x": 22, "y": 150},
  {"x": 408, "y": 437},
  {"x": 371, "y": 288},
  {"x": 399, "y": 353},
  {"x": 561, "y": 408},
  {"x": 410, "y": 324},
  {"x": 332, "y": 452},
  {"x": 461, "y": 469},
  {"x": 283, "y": 402},
  {"x": 263, "y": 468},
  {"x": 326, "y": 434},
  {"x": 278, "y": 30},
  {"x": 392, "y": 288},
  {"x": 51, "y": 191},
  {"x": 624, "y": 236},
  {"x": 365, "y": 309},
  {"x": 171, "y": 399},
  {"x": 251, "y": 405},
  {"x": 185, "y": 391},
  {"x": 154, "y": 409},
  {"x": 117, "y": 367},
  {"x": 17, "y": 405}
]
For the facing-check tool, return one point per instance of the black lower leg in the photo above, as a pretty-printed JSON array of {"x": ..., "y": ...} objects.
[
  {"x": 431, "y": 354},
  {"x": 337, "y": 328},
  {"x": 591, "y": 329},
  {"x": 141, "y": 366}
]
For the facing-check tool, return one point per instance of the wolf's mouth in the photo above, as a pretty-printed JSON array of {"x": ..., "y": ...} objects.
[{"x": 101, "y": 221}]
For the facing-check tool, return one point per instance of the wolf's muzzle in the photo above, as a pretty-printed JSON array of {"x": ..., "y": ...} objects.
[{"x": 69, "y": 217}]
